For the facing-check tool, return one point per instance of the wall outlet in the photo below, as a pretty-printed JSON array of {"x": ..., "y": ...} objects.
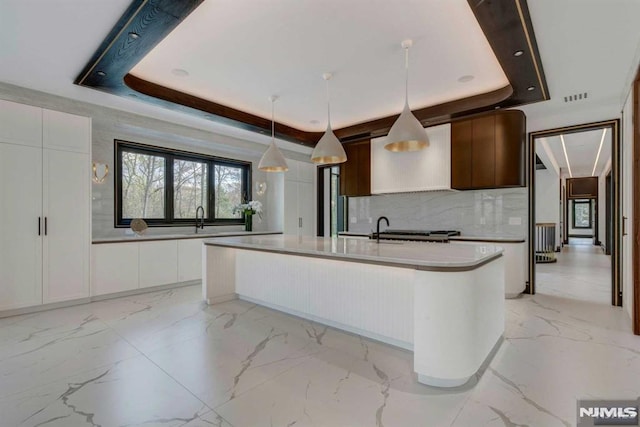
[
  {"x": 515, "y": 220},
  {"x": 483, "y": 221},
  {"x": 370, "y": 220},
  {"x": 354, "y": 220}
]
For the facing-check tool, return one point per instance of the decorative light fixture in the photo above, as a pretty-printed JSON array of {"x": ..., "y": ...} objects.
[
  {"x": 100, "y": 172},
  {"x": 272, "y": 160},
  {"x": 329, "y": 149},
  {"x": 407, "y": 134}
]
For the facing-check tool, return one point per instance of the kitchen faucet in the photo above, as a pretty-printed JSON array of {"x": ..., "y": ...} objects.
[
  {"x": 378, "y": 227},
  {"x": 198, "y": 209}
]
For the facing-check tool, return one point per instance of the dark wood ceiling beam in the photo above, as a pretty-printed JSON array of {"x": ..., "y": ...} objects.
[{"x": 505, "y": 23}]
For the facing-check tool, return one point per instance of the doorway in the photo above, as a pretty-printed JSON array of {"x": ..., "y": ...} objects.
[
  {"x": 331, "y": 206},
  {"x": 574, "y": 198}
]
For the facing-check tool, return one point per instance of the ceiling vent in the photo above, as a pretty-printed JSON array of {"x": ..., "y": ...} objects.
[{"x": 576, "y": 97}]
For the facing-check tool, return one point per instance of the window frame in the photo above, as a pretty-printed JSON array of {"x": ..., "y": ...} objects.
[
  {"x": 169, "y": 156},
  {"x": 573, "y": 214}
]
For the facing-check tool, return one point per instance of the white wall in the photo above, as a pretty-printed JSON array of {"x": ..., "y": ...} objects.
[{"x": 548, "y": 199}]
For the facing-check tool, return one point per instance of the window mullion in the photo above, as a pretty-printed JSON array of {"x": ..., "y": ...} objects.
[{"x": 169, "y": 189}]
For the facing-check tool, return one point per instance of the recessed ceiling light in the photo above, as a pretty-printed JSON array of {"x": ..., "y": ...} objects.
[
  {"x": 530, "y": 88},
  {"x": 134, "y": 35},
  {"x": 466, "y": 78},
  {"x": 518, "y": 53},
  {"x": 497, "y": 107},
  {"x": 101, "y": 73},
  {"x": 179, "y": 72}
]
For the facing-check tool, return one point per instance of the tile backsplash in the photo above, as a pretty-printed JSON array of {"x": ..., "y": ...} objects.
[{"x": 482, "y": 213}]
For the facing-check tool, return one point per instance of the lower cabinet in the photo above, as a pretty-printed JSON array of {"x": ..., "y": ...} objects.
[
  {"x": 125, "y": 266},
  {"x": 158, "y": 263},
  {"x": 114, "y": 268},
  {"x": 189, "y": 259}
]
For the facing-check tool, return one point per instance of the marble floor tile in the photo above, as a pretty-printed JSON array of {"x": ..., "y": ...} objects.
[
  {"x": 582, "y": 272},
  {"x": 133, "y": 392},
  {"x": 167, "y": 359}
]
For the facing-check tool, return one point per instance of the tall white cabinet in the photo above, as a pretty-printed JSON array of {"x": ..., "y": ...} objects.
[
  {"x": 45, "y": 210},
  {"x": 300, "y": 199}
]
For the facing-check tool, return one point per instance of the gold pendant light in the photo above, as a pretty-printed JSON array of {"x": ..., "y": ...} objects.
[
  {"x": 407, "y": 133},
  {"x": 272, "y": 160},
  {"x": 328, "y": 150}
]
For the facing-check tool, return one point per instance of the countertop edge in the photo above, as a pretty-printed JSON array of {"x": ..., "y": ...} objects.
[
  {"x": 363, "y": 259},
  {"x": 488, "y": 239},
  {"x": 181, "y": 237}
]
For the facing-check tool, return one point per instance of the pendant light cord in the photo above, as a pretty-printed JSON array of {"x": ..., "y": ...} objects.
[
  {"x": 328, "y": 105},
  {"x": 273, "y": 123},
  {"x": 406, "y": 76}
]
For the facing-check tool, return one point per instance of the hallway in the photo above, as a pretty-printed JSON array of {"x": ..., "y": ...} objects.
[{"x": 582, "y": 272}]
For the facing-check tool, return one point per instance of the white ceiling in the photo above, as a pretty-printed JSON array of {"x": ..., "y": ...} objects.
[
  {"x": 582, "y": 151},
  {"x": 585, "y": 45},
  {"x": 238, "y": 53}
]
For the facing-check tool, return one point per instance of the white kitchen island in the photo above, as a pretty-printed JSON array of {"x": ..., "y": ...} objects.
[{"x": 445, "y": 302}]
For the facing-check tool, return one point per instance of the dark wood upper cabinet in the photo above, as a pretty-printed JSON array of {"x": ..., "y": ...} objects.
[
  {"x": 488, "y": 151},
  {"x": 582, "y": 188},
  {"x": 355, "y": 173}
]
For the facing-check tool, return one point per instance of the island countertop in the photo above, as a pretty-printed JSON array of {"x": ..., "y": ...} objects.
[{"x": 414, "y": 255}]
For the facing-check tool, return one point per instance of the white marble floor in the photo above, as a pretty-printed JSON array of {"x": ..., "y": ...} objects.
[
  {"x": 582, "y": 272},
  {"x": 167, "y": 359}
]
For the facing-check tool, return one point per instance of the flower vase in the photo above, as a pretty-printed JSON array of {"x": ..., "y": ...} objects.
[{"x": 248, "y": 222}]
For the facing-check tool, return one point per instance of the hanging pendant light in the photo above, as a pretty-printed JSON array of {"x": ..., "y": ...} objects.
[
  {"x": 272, "y": 160},
  {"x": 329, "y": 149},
  {"x": 407, "y": 134}
]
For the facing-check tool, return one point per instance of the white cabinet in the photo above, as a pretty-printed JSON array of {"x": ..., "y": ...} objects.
[
  {"x": 300, "y": 199},
  {"x": 66, "y": 211},
  {"x": 114, "y": 268},
  {"x": 189, "y": 259},
  {"x": 20, "y": 221},
  {"x": 20, "y": 124},
  {"x": 158, "y": 263},
  {"x": 425, "y": 170},
  {"x": 63, "y": 131},
  {"x": 45, "y": 210}
]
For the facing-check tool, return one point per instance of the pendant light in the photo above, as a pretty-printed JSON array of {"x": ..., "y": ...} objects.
[
  {"x": 329, "y": 149},
  {"x": 272, "y": 160},
  {"x": 407, "y": 134}
]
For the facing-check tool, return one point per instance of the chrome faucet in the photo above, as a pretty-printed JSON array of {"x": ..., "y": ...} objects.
[
  {"x": 378, "y": 227},
  {"x": 198, "y": 209}
]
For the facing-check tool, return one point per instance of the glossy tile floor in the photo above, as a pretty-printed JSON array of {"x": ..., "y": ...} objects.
[
  {"x": 582, "y": 272},
  {"x": 166, "y": 359}
]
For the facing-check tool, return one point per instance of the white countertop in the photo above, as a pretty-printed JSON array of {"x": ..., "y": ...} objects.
[
  {"x": 416, "y": 255},
  {"x": 136, "y": 238}
]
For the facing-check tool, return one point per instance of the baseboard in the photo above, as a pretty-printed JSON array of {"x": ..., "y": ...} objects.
[{"x": 71, "y": 303}]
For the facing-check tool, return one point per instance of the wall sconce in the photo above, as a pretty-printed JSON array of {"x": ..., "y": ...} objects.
[
  {"x": 100, "y": 172},
  {"x": 261, "y": 187}
]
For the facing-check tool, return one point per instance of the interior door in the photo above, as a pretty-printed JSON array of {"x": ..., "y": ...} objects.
[
  {"x": 66, "y": 227},
  {"x": 20, "y": 240},
  {"x": 306, "y": 209}
]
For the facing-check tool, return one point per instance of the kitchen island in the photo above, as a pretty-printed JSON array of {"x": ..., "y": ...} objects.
[{"x": 445, "y": 302}]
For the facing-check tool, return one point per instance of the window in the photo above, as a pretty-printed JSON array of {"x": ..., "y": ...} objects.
[
  {"x": 166, "y": 187},
  {"x": 582, "y": 214}
]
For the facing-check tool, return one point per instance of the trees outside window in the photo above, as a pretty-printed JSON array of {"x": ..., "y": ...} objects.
[
  {"x": 166, "y": 187},
  {"x": 582, "y": 214}
]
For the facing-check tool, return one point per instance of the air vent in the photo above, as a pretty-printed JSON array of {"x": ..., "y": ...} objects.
[{"x": 576, "y": 97}]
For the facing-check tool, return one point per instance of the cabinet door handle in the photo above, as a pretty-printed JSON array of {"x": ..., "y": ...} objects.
[
  {"x": 45, "y": 225},
  {"x": 39, "y": 226},
  {"x": 624, "y": 225},
  {"x": 299, "y": 222}
]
